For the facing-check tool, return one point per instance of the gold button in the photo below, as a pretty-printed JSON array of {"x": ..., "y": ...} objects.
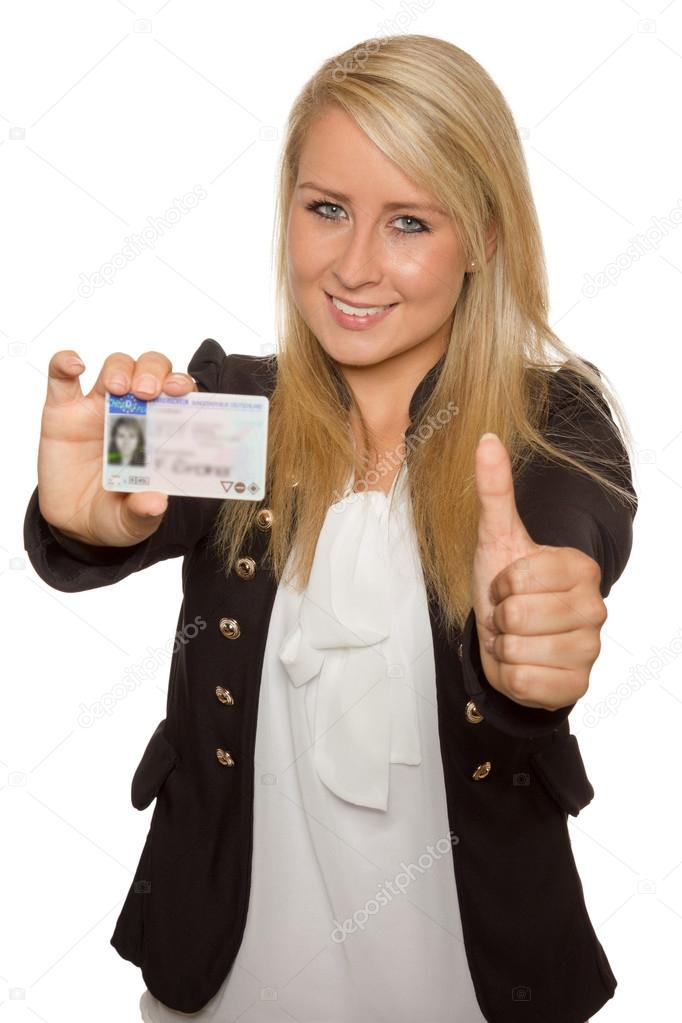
[
  {"x": 224, "y": 757},
  {"x": 245, "y": 568},
  {"x": 224, "y": 695},
  {"x": 460, "y": 652},
  {"x": 229, "y": 627},
  {"x": 473, "y": 714},
  {"x": 482, "y": 771},
  {"x": 264, "y": 519}
]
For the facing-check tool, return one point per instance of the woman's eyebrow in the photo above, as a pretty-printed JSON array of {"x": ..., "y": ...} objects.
[{"x": 432, "y": 208}]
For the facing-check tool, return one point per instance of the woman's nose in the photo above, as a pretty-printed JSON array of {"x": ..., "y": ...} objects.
[{"x": 359, "y": 261}]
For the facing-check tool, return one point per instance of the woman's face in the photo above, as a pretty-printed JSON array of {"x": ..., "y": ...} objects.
[
  {"x": 361, "y": 251},
  {"x": 125, "y": 439}
]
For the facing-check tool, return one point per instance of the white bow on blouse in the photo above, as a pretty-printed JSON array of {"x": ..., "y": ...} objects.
[{"x": 365, "y": 714}]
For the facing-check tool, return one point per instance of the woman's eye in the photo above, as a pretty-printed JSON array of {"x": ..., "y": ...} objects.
[
  {"x": 421, "y": 227},
  {"x": 317, "y": 206}
]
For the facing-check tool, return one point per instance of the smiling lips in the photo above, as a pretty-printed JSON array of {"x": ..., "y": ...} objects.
[{"x": 361, "y": 317}]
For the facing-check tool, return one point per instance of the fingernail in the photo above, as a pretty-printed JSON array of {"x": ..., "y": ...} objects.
[
  {"x": 485, "y": 436},
  {"x": 75, "y": 364},
  {"x": 146, "y": 383},
  {"x": 489, "y": 644}
]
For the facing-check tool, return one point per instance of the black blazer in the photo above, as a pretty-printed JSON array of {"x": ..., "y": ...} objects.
[{"x": 512, "y": 773}]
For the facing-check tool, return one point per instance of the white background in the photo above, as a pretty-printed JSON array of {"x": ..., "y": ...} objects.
[{"x": 102, "y": 125}]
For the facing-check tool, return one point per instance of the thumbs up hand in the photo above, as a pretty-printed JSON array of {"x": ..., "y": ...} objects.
[{"x": 538, "y": 609}]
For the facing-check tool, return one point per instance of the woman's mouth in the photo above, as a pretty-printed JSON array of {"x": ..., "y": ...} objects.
[{"x": 357, "y": 317}]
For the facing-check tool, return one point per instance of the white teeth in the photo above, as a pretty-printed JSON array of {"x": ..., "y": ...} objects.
[{"x": 354, "y": 311}]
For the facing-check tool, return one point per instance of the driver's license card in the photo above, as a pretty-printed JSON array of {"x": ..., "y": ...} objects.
[{"x": 195, "y": 445}]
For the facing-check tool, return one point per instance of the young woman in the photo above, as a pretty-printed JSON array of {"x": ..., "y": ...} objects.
[
  {"x": 362, "y": 802},
  {"x": 127, "y": 442}
]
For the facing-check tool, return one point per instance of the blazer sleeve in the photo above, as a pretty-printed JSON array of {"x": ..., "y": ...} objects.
[
  {"x": 562, "y": 507},
  {"x": 70, "y": 565}
]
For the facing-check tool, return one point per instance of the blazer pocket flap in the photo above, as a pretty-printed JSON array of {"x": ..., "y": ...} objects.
[
  {"x": 158, "y": 760},
  {"x": 560, "y": 767}
]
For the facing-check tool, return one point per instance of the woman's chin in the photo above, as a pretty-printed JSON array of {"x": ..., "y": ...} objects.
[{"x": 357, "y": 349}]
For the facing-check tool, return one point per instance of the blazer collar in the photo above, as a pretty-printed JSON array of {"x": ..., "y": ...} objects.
[{"x": 423, "y": 390}]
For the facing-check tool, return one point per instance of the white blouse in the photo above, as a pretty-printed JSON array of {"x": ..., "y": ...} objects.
[{"x": 353, "y": 910}]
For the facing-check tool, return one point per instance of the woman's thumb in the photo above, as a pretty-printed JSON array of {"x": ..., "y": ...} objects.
[
  {"x": 142, "y": 512},
  {"x": 498, "y": 518}
]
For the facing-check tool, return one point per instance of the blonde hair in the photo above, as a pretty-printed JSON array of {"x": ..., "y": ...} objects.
[{"x": 433, "y": 110}]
